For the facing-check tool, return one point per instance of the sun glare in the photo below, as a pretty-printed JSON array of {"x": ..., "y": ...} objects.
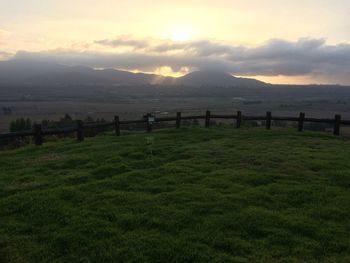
[
  {"x": 180, "y": 36},
  {"x": 179, "y": 31}
]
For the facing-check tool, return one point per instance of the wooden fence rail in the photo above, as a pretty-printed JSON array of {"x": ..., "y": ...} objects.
[{"x": 38, "y": 133}]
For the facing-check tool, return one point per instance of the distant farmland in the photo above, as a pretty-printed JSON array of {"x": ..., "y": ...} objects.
[{"x": 38, "y": 103}]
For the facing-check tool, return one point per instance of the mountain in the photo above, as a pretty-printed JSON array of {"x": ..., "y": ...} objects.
[
  {"x": 17, "y": 71},
  {"x": 30, "y": 72},
  {"x": 37, "y": 72}
]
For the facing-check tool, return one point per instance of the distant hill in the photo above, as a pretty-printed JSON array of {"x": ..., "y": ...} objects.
[
  {"x": 45, "y": 73},
  {"x": 34, "y": 72}
]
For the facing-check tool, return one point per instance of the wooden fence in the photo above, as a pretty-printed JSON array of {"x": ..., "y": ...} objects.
[{"x": 38, "y": 132}]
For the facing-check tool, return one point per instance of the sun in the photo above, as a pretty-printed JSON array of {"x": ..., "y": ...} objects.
[
  {"x": 179, "y": 31},
  {"x": 181, "y": 35}
]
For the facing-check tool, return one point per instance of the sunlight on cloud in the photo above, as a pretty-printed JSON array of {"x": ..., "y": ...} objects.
[
  {"x": 5, "y": 55},
  {"x": 281, "y": 79},
  {"x": 165, "y": 71},
  {"x": 168, "y": 71}
]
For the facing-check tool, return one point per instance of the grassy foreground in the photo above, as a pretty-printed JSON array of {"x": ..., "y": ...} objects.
[{"x": 188, "y": 195}]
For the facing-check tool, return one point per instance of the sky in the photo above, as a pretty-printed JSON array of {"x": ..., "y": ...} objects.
[{"x": 278, "y": 41}]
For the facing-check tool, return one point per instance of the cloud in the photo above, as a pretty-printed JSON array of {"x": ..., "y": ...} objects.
[
  {"x": 5, "y": 55},
  {"x": 304, "y": 57},
  {"x": 123, "y": 41}
]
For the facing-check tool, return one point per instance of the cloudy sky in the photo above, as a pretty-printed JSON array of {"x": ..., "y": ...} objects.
[{"x": 279, "y": 41}]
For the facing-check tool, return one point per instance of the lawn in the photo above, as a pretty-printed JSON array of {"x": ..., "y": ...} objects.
[{"x": 189, "y": 195}]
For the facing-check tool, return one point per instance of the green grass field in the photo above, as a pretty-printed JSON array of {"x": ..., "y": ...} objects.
[{"x": 188, "y": 195}]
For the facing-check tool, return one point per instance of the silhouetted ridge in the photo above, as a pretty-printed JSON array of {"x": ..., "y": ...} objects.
[{"x": 45, "y": 73}]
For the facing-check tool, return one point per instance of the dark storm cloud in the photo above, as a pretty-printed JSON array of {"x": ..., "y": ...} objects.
[{"x": 275, "y": 57}]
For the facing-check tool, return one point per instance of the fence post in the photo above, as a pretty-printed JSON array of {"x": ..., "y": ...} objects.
[
  {"x": 239, "y": 119},
  {"x": 301, "y": 121},
  {"x": 178, "y": 120},
  {"x": 148, "y": 124},
  {"x": 207, "y": 119},
  {"x": 38, "y": 134},
  {"x": 337, "y": 121},
  {"x": 268, "y": 120},
  {"x": 117, "y": 125},
  {"x": 80, "y": 132}
]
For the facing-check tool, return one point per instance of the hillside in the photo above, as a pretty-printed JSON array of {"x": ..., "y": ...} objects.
[{"x": 188, "y": 195}]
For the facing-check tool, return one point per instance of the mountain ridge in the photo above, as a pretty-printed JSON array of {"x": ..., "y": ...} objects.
[{"x": 39, "y": 72}]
